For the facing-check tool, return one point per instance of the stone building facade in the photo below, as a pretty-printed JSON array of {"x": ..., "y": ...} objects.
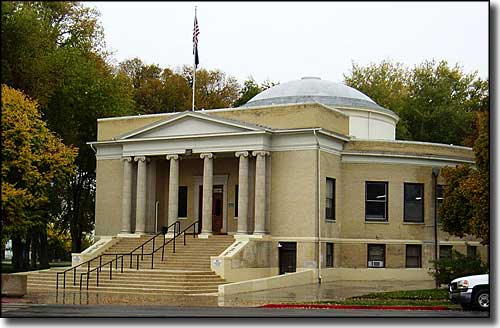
[{"x": 307, "y": 175}]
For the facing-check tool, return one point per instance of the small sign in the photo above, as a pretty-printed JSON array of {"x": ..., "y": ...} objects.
[{"x": 216, "y": 262}]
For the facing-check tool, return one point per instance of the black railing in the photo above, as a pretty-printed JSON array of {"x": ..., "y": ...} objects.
[{"x": 118, "y": 256}]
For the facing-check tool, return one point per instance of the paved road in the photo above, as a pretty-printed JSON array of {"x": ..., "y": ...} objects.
[{"x": 44, "y": 310}]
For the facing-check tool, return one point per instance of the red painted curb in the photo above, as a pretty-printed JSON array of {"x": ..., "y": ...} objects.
[{"x": 354, "y": 307}]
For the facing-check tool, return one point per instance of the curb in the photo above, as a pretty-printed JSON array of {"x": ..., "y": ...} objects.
[{"x": 357, "y": 307}]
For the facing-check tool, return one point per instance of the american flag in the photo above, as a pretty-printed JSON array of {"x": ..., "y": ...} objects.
[{"x": 196, "y": 32}]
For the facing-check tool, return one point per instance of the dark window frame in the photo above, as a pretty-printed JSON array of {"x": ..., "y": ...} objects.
[
  {"x": 422, "y": 205},
  {"x": 329, "y": 260},
  {"x": 384, "y": 260},
  {"x": 419, "y": 247},
  {"x": 441, "y": 247},
  {"x": 332, "y": 218},
  {"x": 386, "y": 201},
  {"x": 469, "y": 251},
  {"x": 182, "y": 208}
]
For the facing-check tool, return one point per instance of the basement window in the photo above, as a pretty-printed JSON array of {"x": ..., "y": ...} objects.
[
  {"x": 413, "y": 256},
  {"x": 376, "y": 256}
]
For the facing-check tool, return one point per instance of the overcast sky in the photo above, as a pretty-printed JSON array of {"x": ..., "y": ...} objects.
[{"x": 285, "y": 41}]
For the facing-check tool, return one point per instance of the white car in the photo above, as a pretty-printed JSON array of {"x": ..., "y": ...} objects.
[{"x": 471, "y": 292}]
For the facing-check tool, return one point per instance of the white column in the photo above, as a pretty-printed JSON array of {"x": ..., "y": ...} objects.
[
  {"x": 140, "y": 214},
  {"x": 173, "y": 190},
  {"x": 242, "y": 192},
  {"x": 260, "y": 192},
  {"x": 208, "y": 174},
  {"x": 127, "y": 194}
]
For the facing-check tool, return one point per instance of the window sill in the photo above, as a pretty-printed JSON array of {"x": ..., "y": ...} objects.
[
  {"x": 330, "y": 221},
  {"x": 374, "y": 221},
  {"x": 183, "y": 218},
  {"x": 235, "y": 218},
  {"x": 414, "y": 223}
]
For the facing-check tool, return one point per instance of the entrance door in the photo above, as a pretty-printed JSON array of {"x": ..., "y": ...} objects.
[
  {"x": 287, "y": 257},
  {"x": 217, "y": 208}
]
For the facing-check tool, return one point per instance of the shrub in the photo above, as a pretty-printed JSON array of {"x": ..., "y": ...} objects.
[{"x": 459, "y": 265}]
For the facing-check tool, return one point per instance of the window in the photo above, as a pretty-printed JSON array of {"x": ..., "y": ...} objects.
[
  {"x": 413, "y": 256},
  {"x": 414, "y": 202},
  {"x": 439, "y": 199},
  {"x": 376, "y": 256},
  {"x": 330, "y": 199},
  {"x": 445, "y": 251},
  {"x": 329, "y": 255},
  {"x": 236, "y": 201},
  {"x": 471, "y": 251},
  {"x": 182, "y": 202},
  {"x": 376, "y": 201}
]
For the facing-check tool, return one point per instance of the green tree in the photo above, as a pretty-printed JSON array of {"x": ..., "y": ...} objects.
[
  {"x": 53, "y": 52},
  {"x": 251, "y": 89},
  {"x": 214, "y": 88},
  {"x": 158, "y": 90},
  {"x": 33, "y": 160},
  {"x": 466, "y": 206},
  {"x": 435, "y": 102}
]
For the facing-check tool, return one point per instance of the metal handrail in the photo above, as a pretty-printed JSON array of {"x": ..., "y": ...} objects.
[
  {"x": 164, "y": 231},
  {"x": 173, "y": 239},
  {"x": 120, "y": 256}
]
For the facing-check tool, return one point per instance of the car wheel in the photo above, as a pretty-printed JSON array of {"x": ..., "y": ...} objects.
[{"x": 482, "y": 299}]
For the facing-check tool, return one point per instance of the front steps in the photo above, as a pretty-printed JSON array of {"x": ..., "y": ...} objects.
[{"x": 186, "y": 272}]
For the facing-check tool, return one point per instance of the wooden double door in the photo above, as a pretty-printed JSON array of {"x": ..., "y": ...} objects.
[{"x": 217, "y": 208}]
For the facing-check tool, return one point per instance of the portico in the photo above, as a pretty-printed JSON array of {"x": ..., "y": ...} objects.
[{"x": 157, "y": 164}]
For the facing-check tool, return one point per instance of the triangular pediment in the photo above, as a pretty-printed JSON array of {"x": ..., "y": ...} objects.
[{"x": 188, "y": 124}]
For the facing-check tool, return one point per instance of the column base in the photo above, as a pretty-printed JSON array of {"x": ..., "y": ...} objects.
[
  {"x": 205, "y": 235},
  {"x": 140, "y": 233},
  {"x": 259, "y": 234}
]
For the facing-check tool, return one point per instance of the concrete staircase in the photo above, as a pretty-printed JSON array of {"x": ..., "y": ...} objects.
[{"x": 187, "y": 271}]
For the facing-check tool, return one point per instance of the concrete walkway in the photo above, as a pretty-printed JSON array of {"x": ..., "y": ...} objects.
[
  {"x": 316, "y": 292},
  {"x": 305, "y": 293}
]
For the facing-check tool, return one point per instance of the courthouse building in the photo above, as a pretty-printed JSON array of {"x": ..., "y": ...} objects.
[{"x": 308, "y": 175}]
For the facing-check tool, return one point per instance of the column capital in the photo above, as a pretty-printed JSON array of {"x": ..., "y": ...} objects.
[
  {"x": 262, "y": 153},
  {"x": 207, "y": 155},
  {"x": 241, "y": 153},
  {"x": 172, "y": 156},
  {"x": 127, "y": 158},
  {"x": 141, "y": 158}
]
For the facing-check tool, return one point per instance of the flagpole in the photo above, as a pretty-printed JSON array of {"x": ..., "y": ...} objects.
[{"x": 194, "y": 67}]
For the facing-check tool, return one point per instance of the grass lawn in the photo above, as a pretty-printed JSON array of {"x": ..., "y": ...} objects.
[{"x": 423, "y": 297}]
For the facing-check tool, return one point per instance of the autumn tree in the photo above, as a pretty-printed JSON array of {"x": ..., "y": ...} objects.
[
  {"x": 33, "y": 160},
  {"x": 435, "y": 102},
  {"x": 54, "y": 52},
  {"x": 466, "y": 206}
]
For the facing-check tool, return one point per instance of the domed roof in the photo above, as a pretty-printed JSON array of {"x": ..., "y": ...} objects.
[{"x": 313, "y": 89}]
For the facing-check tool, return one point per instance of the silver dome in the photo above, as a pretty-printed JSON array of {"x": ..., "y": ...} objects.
[{"x": 313, "y": 89}]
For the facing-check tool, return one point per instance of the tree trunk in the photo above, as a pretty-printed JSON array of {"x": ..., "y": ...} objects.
[
  {"x": 17, "y": 253},
  {"x": 26, "y": 252},
  {"x": 44, "y": 249},
  {"x": 34, "y": 250}
]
